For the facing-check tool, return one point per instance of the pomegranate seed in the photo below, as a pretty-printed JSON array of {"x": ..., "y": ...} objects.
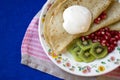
[
  {"x": 95, "y": 41},
  {"x": 107, "y": 29},
  {"x": 107, "y": 44},
  {"x": 103, "y": 42},
  {"x": 98, "y": 40},
  {"x": 99, "y": 18},
  {"x": 98, "y": 33},
  {"x": 103, "y": 16},
  {"x": 115, "y": 43},
  {"x": 101, "y": 38},
  {"x": 108, "y": 34},
  {"x": 102, "y": 32},
  {"x": 95, "y": 37},
  {"x": 96, "y": 21},
  {"x": 98, "y": 37},
  {"x": 92, "y": 35},
  {"x": 114, "y": 33},
  {"x": 111, "y": 48},
  {"x": 83, "y": 38},
  {"x": 104, "y": 13},
  {"x": 102, "y": 29},
  {"x": 112, "y": 40},
  {"x": 119, "y": 32},
  {"x": 106, "y": 37},
  {"x": 87, "y": 37},
  {"x": 117, "y": 37}
]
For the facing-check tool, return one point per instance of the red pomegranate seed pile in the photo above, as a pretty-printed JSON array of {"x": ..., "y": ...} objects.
[
  {"x": 106, "y": 37},
  {"x": 100, "y": 18}
]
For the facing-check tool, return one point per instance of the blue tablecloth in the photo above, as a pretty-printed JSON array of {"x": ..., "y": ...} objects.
[{"x": 15, "y": 15}]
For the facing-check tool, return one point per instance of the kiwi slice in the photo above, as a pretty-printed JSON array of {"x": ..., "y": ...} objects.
[
  {"x": 84, "y": 45},
  {"x": 98, "y": 51},
  {"x": 75, "y": 53},
  {"x": 86, "y": 56},
  {"x": 72, "y": 45},
  {"x": 74, "y": 49}
]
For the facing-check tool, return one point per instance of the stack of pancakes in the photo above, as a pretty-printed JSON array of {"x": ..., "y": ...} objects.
[{"x": 54, "y": 33}]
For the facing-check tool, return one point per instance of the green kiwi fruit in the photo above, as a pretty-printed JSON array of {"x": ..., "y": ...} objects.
[
  {"x": 98, "y": 51},
  {"x": 86, "y": 51},
  {"x": 84, "y": 45},
  {"x": 86, "y": 56},
  {"x": 74, "y": 49},
  {"x": 75, "y": 53},
  {"x": 72, "y": 45}
]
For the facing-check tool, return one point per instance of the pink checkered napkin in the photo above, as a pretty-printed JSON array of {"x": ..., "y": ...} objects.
[
  {"x": 31, "y": 44},
  {"x": 34, "y": 56}
]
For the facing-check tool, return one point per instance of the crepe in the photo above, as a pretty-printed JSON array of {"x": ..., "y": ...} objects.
[
  {"x": 113, "y": 16},
  {"x": 115, "y": 26},
  {"x": 48, "y": 16},
  {"x": 55, "y": 35}
]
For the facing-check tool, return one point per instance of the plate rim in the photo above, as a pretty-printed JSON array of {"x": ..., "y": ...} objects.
[{"x": 40, "y": 39}]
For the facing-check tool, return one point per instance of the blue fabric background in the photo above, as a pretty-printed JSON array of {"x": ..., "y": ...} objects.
[{"x": 15, "y": 15}]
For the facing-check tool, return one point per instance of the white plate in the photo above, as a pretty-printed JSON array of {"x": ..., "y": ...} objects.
[{"x": 67, "y": 63}]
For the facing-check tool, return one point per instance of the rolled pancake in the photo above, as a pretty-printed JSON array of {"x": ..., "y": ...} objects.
[
  {"x": 115, "y": 26},
  {"x": 113, "y": 16},
  {"x": 48, "y": 16},
  {"x": 55, "y": 35}
]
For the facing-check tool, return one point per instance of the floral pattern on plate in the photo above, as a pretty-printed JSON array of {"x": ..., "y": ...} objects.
[{"x": 67, "y": 63}]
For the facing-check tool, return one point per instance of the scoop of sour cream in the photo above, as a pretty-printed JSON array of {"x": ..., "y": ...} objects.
[{"x": 77, "y": 19}]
